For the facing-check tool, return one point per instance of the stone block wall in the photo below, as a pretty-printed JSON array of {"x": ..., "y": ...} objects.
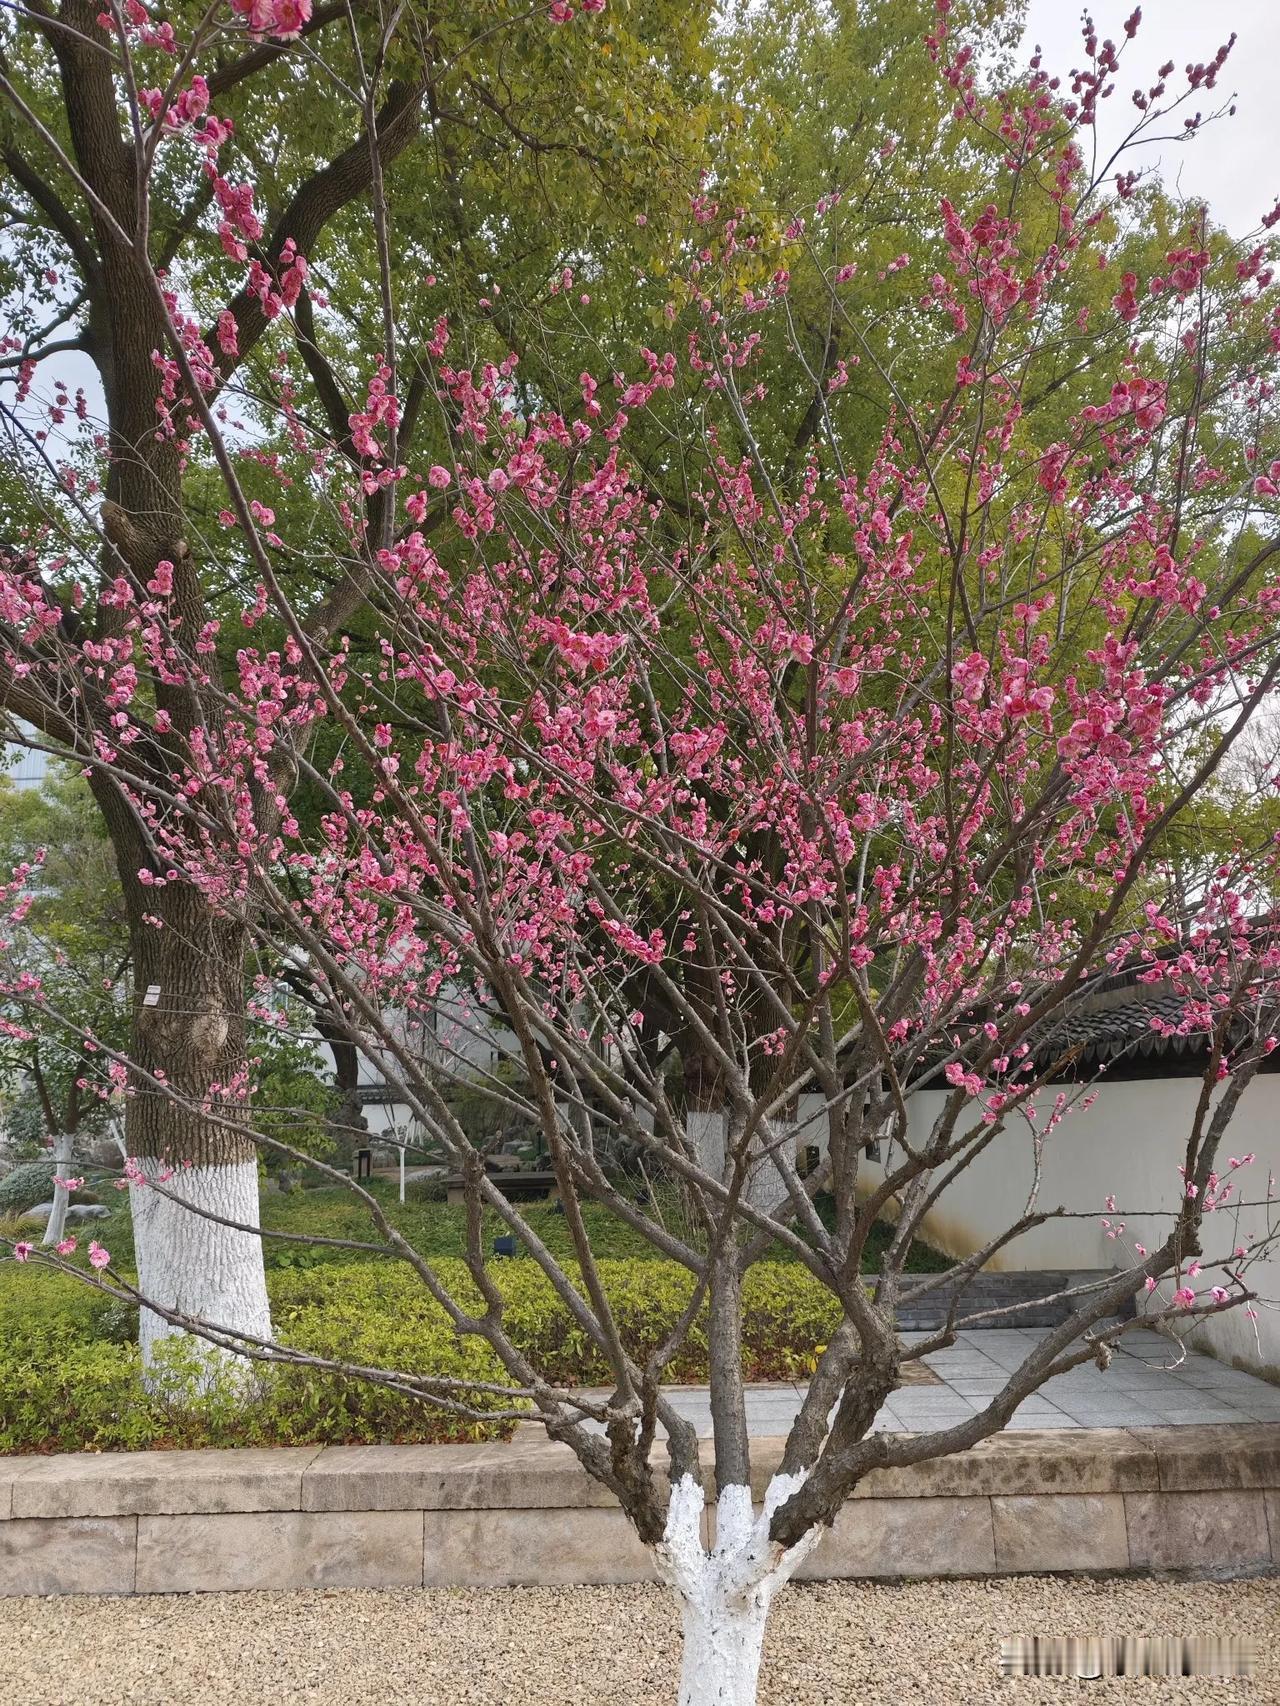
[{"x": 1203, "y": 1500}]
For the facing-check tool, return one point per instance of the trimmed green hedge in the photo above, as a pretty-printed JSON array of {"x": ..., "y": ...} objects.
[
  {"x": 70, "y": 1377},
  {"x": 93, "y": 1398},
  {"x": 787, "y": 1314},
  {"x": 71, "y": 1380}
]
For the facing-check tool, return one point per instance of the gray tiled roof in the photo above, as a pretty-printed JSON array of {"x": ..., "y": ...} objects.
[{"x": 1120, "y": 1029}]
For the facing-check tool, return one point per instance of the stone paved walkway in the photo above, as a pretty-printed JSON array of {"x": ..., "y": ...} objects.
[{"x": 1145, "y": 1387}]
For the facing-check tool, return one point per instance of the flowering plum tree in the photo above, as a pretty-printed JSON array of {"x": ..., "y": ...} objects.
[{"x": 845, "y": 789}]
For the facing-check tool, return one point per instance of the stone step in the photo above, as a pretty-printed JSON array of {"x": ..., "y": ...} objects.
[{"x": 1024, "y": 1299}]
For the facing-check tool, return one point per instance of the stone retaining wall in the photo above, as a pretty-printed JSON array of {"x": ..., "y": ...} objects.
[{"x": 1199, "y": 1499}]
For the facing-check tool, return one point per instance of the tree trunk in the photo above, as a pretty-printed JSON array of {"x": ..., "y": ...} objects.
[
  {"x": 189, "y": 1034},
  {"x": 192, "y": 1038},
  {"x": 720, "y": 1663},
  {"x": 346, "y": 1125},
  {"x": 706, "y": 1129},
  {"x": 725, "y": 1592},
  {"x": 192, "y": 1264},
  {"x": 766, "y": 1188},
  {"x": 188, "y": 960},
  {"x": 63, "y": 1160},
  {"x": 706, "y": 1118}
]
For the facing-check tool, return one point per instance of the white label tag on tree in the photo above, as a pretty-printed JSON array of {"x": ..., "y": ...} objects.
[{"x": 152, "y": 997}]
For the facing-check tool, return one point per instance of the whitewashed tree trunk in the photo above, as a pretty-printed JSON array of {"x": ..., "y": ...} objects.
[
  {"x": 63, "y": 1160},
  {"x": 192, "y": 1264},
  {"x": 187, "y": 1124},
  {"x": 708, "y": 1133},
  {"x": 766, "y": 1188},
  {"x": 725, "y": 1592},
  {"x": 707, "y": 1130}
]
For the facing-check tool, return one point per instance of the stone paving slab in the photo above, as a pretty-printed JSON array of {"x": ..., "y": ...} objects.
[
  {"x": 1018, "y": 1464},
  {"x": 942, "y": 1537},
  {"x": 284, "y": 1549},
  {"x": 531, "y": 1472},
  {"x": 516, "y": 1548},
  {"x": 1075, "y": 1531},
  {"x": 1151, "y": 1382},
  {"x": 76, "y": 1555},
  {"x": 1212, "y": 1532},
  {"x": 1202, "y": 1456}
]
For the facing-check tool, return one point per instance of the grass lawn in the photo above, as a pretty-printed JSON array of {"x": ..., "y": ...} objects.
[{"x": 435, "y": 1229}]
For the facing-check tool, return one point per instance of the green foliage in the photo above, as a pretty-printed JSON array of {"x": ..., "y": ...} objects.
[
  {"x": 437, "y": 1230},
  {"x": 42, "y": 1311},
  {"x": 71, "y": 1381},
  {"x": 30, "y": 1182},
  {"x": 92, "y": 1397},
  {"x": 25, "y": 1126},
  {"x": 75, "y": 943},
  {"x": 787, "y": 1315},
  {"x": 293, "y": 1092},
  {"x": 85, "y": 1397},
  {"x": 68, "y": 1383}
]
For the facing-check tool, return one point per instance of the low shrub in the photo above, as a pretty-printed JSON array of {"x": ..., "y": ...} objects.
[
  {"x": 787, "y": 1314},
  {"x": 71, "y": 1379},
  {"x": 40, "y": 1310},
  {"x": 29, "y": 1183},
  {"x": 73, "y": 1397},
  {"x": 57, "y": 1394}
]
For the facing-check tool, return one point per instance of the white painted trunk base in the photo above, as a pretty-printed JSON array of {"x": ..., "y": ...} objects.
[
  {"x": 720, "y": 1665},
  {"x": 725, "y": 1592},
  {"x": 63, "y": 1160},
  {"x": 705, "y": 1128},
  {"x": 194, "y": 1265},
  {"x": 765, "y": 1187}
]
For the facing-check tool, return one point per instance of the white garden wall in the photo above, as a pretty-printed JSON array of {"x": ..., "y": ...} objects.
[{"x": 1127, "y": 1143}]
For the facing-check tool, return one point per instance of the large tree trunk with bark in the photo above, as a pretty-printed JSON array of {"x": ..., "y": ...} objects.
[
  {"x": 185, "y": 1123},
  {"x": 706, "y": 1119},
  {"x": 192, "y": 1146},
  {"x": 184, "y": 1126}
]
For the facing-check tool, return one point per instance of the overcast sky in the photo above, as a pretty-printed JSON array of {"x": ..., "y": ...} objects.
[{"x": 1235, "y": 164}]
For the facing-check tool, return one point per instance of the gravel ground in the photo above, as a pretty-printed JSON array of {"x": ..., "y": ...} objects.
[{"x": 839, "y": 1644}]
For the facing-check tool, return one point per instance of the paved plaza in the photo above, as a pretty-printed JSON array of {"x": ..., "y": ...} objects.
[{"x": 1149, "y": 1384}]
